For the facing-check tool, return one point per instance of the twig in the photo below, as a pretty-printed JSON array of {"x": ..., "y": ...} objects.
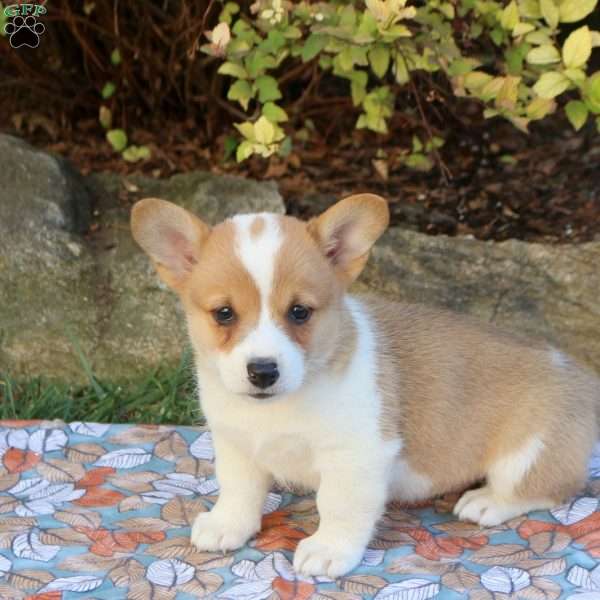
[
  {"x": 205, "y": 16},
  {"x": 231, "y": 109},
  {"x": 446, "y": 174}
]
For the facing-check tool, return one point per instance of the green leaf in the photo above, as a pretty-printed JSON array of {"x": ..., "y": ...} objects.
[
  {"x": 550, "y": 12},
  {"x": 117, "y": 138},
  {"x": 229, "y": 147},
  {"x": 418, "y": 161},
  {"x": 244, "y": 150},
  {"x": 551, "y": 84},
  {"x": 417, "y": 145},
  {"x": 462, "y": 66},
  {"x": 115, "y": 57},
  {"x": 292, "y": 33},
  {"x": 497, "y": 36},
  {"x": 135, "y": 153},
  {"x": 274, "y": 113},
  {"x": 543, "y": 55},
  {"x": 233, "y": 69},
  {"x": 400, "y": 70},
  {"x": 514, "y": 59},
  {"x": 358, "y": 87},
  {"x": 315, "y": 42},
  {"x": 257, "y": 62},
  {"x": 105, "y": 117},
  {"x": 577, "y": 113},
  {"x": 379, "y": 59},
  {"x": 274, "y": 42},
  {"x": 286, "y": 147},
  {"x": 572, "y": 11},
  {"x": 346, "y": 59},
  {"x": 242, "y": 92},
  {"x": 577, "y": 48},
  {"x": 108, "y": 90},
  {"x": 591, "y": 93},
  {"x": 267, "y": 88},
  {"x": 447, "y": 10},
  {"x": 510, "y": 16}
]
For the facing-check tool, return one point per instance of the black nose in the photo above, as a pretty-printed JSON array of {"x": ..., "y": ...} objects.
[{"x": 263, "y": 373}]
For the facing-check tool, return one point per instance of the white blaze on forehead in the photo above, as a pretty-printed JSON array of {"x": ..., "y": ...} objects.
[
  {"x": 258, "y": 239},
  {"x": 258, "y": 250}
]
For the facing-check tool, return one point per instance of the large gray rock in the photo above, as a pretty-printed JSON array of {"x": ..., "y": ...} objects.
[
  {"x": 46, "y": 272},
  {"x": 67, "y": 299},
  {"x": 551, "y": 292},
  {"x": 40, "y": 193}
]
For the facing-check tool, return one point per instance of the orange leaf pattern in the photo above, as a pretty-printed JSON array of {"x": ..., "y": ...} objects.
[{"x": 98, "y": 511}]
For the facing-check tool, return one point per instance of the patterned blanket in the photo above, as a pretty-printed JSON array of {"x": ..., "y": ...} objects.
[{"x": 104, "y": 511}]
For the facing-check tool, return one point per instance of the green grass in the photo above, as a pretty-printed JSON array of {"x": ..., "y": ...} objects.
[{"x": 162, "y": 396}]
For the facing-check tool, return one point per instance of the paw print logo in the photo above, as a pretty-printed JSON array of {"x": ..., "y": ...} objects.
[{"x": 24, "y": 31}]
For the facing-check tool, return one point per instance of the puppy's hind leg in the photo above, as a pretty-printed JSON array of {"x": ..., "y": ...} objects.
[{"x": 529, "y": 478}]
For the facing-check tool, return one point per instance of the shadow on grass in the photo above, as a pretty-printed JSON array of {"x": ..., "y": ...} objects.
[{"x": 163, "y": 396}]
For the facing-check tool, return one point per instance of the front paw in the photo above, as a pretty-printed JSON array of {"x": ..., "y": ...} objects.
[
  {"x": 213, "y": 532},
  {"x": 325, "y": 555}
]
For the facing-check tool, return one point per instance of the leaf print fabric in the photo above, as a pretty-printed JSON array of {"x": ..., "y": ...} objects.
[{"x": 93, "y": 511}]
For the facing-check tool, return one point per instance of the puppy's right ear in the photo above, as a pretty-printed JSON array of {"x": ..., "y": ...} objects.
[{"x": 170, "y": 235}]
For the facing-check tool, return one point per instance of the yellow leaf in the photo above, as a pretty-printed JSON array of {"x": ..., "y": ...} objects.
[
  {"x": 246, "y": 129},
  {"x": 264, "y": 132},
  {"x": 538, "y": 108},
  {"x": 507, "y": 95},
  {"x": 510, "y": 16},
  {"x": 551, "y": 84},
  {"x": 530, "y": 9},
  {"x": 543, "y": 55},
  {"x": 522, "y": 29},
  {"x": 572, "y": 11},
  {"x": 577, "y": 48},
  {"x": 550, "y": 12},
  {"x": 476, "y": 79}
]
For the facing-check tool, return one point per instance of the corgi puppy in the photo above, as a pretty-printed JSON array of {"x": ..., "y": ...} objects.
[{"x": 361, "y": 399}]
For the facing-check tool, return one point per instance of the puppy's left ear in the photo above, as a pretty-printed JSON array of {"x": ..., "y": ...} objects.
[
  {"x": 171, "y": 236},
  {"x": 347, "y": 231}
]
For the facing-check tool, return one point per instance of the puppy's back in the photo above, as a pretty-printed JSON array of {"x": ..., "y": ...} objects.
[{"x": 459, "y": 393}]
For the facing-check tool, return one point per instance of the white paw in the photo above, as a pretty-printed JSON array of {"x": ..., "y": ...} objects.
[
  {"x": 321, "y": 555},
  {"x": 482, "y": 507},
  {"x": 212, "y": 533}
]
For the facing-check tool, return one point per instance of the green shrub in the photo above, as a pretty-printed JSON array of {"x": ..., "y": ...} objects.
[{"x": 516, "y": 58}]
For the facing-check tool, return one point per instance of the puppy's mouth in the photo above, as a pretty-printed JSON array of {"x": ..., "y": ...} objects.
[{"x": 261, "y": 396}]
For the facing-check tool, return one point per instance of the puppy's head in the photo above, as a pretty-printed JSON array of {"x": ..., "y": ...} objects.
[{"x": 262, "y": 292}]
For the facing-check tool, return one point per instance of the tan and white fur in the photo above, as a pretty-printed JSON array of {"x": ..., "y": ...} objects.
[{"x": 374, "y": 400}]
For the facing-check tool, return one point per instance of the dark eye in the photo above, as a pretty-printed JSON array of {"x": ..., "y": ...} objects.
[
  {"x": 299, "y": 313},
  {"x": 224, "y": 315}
]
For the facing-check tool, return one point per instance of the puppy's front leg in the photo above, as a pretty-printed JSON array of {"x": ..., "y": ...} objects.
[
  {"x": 350, "y": 501},
  {"x": 236, "y": 516}
]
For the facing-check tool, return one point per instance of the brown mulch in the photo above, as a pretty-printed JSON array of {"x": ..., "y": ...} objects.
[{"x": 493, "y": 182}]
